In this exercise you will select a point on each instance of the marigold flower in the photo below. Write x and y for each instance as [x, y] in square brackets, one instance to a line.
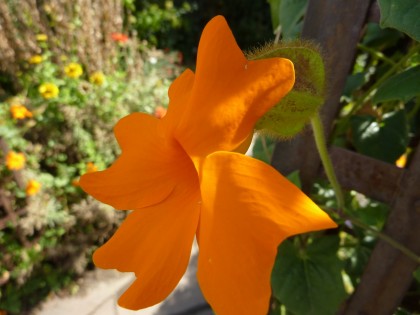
[160, 111]
[91, 167]
[20, 112]
[97, 78]
[33, 187]
[75, 182]
[119, 37]
[181, 177]
[48, 90]
[73, 70]
[15, 160]
[41, 37]
[35, 59]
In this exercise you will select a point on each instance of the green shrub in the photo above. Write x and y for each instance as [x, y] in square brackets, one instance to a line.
[61, 121]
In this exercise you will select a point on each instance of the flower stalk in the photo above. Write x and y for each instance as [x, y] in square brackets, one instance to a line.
[321, 146]
[320, 142]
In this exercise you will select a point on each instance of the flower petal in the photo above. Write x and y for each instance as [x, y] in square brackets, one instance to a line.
[179, 94]
[155, 243]
[247, 210]
[148, 169]
[229, 94]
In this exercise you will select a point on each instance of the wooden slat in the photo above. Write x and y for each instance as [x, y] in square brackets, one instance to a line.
[389, 272]
[376, 179]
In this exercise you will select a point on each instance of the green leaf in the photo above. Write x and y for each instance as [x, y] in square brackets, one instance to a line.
[416, 274]
[379, 38]
[288, 14]
[263, 148]
[402, 86]
[294, 177]
[308, 281]
[402, 15]
[386, 140]
[275, 9]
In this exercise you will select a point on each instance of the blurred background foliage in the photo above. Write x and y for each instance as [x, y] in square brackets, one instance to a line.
[178, 24]
[70, 69]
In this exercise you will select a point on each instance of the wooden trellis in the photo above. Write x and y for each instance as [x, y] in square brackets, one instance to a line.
[337, 26]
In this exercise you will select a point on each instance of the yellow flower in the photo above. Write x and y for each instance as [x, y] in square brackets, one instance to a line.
[20, 112]
[182, 178]
[35, 59]
[73, 70]
[41, 37]
[90, 168]
[97, 78]
[402, 161]
[15, 161]
[48, 90]
[33, 187]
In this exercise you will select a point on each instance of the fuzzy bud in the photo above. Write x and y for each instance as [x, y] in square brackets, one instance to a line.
[294, 111]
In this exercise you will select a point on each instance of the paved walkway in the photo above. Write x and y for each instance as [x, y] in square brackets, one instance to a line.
[100, 290]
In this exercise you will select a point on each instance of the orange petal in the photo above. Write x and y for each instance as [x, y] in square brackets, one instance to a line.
[247, 210]
[148, 169]
[229, 94]
[155, 243]
[179, 94]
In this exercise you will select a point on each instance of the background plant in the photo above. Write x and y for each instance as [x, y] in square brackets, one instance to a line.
[74, 78]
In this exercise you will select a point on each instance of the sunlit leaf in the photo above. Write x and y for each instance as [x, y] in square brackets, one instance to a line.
[386, 140]
[308, 280]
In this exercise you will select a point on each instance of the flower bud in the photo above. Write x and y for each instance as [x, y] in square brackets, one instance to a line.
[288, 117]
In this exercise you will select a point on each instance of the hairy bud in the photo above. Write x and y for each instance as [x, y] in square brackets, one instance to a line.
[293, 112]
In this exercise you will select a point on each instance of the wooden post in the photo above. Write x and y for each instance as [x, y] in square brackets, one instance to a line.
[337, 26]
[389, 272]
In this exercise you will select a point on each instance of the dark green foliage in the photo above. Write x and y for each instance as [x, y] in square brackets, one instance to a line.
[385, 139]
[306, 274]
[178, 24]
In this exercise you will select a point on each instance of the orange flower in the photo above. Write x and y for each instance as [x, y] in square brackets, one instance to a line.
[20, 112]
[160, 111]
[119, 37]
[182, 179]
[15, 161]
[33, 187]
[90, 167]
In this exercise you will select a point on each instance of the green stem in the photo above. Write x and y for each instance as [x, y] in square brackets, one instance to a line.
[265, 147]
[377, 54]
[329, 170]
[386, 238]
[414, 111]
[325, 158]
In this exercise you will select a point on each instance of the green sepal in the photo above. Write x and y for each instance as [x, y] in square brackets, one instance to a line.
[294, 111]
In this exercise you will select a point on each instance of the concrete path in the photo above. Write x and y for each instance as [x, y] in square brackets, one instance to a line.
[100, 290]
